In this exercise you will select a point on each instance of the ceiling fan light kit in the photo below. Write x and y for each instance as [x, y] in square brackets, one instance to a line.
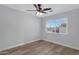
[39, 14]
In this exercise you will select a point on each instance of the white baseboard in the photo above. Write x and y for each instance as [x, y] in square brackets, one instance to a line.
[9, 47]
[37, 40]
[20, 44]
[62, 44]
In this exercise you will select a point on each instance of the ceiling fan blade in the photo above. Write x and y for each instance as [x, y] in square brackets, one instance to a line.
[35, 6]
[46, 9]
[39, 7]
[43, 12]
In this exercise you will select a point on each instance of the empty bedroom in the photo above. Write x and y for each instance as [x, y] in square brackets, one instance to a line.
[39, 29]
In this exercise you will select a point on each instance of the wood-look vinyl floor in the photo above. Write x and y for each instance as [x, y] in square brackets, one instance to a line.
[40, 47]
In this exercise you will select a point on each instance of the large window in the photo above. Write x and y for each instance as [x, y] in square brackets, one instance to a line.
[57, 26]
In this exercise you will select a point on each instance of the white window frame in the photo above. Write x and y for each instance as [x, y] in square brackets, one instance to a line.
[55, 32]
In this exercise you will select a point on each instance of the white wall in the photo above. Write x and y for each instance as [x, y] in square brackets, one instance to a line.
[17, 28]
[72, 38]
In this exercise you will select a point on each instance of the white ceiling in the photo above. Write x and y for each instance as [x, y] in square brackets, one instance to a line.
[57, 8]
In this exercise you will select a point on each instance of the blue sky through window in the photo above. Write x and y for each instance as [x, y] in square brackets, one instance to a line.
[56, 22]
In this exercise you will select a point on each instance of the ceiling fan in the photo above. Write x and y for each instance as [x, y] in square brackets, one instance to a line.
[39, 10]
